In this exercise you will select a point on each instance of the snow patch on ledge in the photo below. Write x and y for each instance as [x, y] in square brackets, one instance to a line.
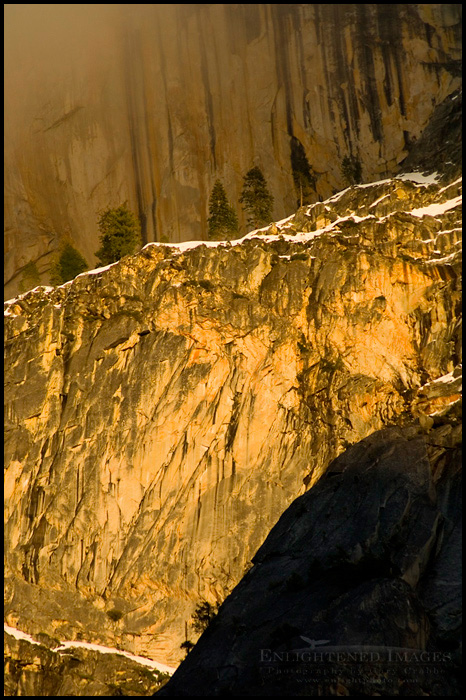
[18, 634]
[142, 660]
[40, 288]
[449, 378]
[95, 271]
[419, 178]
[416, 177]
[437, 209]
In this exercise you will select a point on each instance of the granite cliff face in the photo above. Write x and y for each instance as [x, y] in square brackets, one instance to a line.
[153, 103]
[162, 414]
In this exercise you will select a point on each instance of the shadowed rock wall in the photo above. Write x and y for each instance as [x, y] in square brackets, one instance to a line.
[357, 589]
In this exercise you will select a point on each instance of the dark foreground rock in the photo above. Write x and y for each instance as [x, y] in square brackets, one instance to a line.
[356, 591]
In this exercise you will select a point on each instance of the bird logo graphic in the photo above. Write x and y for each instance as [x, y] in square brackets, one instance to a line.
[314, 643]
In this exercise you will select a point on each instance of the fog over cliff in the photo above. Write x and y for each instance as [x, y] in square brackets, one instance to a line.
[153, 103]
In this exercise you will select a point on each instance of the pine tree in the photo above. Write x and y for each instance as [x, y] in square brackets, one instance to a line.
[120, 234]
[203, 615]
[30, 277]
[68, 264]
[352, 170]
[222, 221]
[256, 199]
[304, 178]
[187, 646]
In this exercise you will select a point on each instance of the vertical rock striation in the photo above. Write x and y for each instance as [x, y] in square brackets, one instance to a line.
[163, 412]
[153, 103]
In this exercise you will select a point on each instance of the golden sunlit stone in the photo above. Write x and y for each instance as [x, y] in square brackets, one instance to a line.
[163, 413]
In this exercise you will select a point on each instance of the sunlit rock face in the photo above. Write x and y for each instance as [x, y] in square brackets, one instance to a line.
[161, 414]
[153, 103]
[44, 668]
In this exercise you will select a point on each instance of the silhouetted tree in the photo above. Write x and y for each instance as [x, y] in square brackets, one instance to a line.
[68, 264]
[222, 221]
[187, 645]
[203, 616]
[352, 170]
[303, 177]
[256, 199]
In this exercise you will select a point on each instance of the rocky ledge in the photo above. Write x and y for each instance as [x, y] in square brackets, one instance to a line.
[46, 668]
[163, 413]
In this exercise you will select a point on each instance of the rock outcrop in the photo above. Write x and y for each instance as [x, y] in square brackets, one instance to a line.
[153, 103]
[357, 589]
[162, 414]
[38, 669]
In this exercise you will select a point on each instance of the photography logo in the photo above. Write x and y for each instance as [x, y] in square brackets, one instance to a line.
[320, 660]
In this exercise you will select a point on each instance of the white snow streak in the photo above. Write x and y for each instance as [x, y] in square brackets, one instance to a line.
[446, 379]
[436, 209]
[96, 271]
[419, 178]
[416, 177]
[451, 184]
[142, 660]
[373, 184]
[448, 259]
[380, 199]
[42, 288]
[18, 634]
[156, 665]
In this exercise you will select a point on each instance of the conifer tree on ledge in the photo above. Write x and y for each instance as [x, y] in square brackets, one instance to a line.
[222, 221]
[256, 199]
[120, 234]
[68, 264]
